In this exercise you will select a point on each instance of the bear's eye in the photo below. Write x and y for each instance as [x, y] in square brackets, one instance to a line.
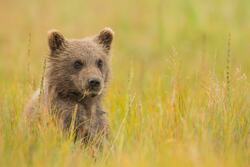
[78, 64]
[99, 63]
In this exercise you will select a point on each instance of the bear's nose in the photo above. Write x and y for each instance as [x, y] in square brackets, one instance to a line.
[94, 83]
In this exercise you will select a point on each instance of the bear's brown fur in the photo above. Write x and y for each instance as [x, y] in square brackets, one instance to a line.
[77, 72]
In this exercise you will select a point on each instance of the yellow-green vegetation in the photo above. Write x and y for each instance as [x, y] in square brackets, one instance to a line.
[179, 95]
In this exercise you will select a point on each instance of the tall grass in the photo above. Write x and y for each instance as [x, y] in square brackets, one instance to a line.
[179, 94]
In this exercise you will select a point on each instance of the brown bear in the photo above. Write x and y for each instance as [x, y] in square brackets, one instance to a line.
[76, 75]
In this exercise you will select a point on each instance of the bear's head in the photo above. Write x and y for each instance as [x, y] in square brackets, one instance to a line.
[79, 67]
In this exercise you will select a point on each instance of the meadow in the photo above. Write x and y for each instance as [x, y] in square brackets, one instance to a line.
[180, 88]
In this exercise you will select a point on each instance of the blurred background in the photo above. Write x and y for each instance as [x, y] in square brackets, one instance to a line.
[146, 31]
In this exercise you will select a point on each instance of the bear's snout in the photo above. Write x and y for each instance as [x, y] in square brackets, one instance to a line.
[94, 84]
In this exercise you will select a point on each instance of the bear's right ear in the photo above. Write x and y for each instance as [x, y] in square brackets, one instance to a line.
[56, 40]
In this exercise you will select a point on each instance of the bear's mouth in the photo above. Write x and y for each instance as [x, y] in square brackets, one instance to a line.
[83, 93]
[79, 96]
[92, 93]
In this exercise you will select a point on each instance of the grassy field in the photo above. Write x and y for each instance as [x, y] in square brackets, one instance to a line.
[180, 88]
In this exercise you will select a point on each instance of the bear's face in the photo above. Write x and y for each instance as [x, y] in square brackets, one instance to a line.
[79, 67]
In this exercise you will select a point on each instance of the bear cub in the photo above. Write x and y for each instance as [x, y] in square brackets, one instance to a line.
[76, 76]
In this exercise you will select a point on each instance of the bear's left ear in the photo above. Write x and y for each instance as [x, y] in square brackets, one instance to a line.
[105, 38]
